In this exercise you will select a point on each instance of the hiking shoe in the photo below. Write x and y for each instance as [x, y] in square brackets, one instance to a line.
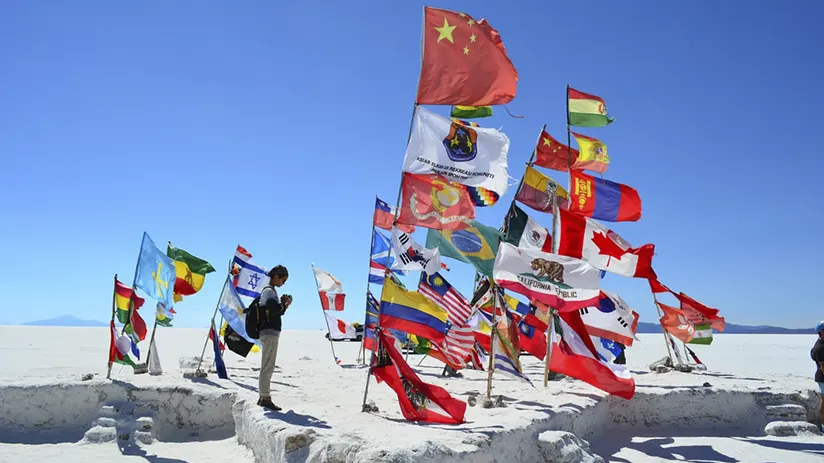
[267, 403]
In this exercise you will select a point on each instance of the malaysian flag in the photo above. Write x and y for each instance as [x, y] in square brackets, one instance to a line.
[459, 338]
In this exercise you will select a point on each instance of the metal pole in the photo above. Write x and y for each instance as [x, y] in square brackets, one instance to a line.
[114, 309]
[492, 335]
[212, 323]
[397, 210]
[328, 330]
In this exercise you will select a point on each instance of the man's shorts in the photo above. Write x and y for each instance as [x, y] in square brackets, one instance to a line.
[820, 388]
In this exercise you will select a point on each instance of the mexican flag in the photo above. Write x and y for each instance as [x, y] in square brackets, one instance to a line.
[523, 232]
[587, 110]
[190, 271]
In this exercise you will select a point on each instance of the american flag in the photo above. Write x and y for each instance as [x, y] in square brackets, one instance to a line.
[459, 337]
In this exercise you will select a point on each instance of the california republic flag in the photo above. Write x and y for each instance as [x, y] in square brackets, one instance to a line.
[472, 156]
[330, 290]
[586, 239]
[560, 282]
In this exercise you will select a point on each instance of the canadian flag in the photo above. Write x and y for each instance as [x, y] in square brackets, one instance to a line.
[588, 240]
[573, 354]
[330, 290]
[339, 329]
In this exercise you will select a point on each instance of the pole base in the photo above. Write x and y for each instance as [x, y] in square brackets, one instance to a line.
[141, 368]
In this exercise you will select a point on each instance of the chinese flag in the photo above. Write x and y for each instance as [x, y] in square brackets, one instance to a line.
[464, 62]
[431, 201]
[552, 154]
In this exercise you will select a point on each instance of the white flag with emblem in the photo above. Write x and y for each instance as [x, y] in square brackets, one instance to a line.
[472, 156]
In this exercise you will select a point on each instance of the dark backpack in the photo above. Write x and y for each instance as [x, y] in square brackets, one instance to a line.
[253, 319]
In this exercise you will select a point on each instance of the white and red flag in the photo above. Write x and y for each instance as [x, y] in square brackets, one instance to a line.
[330, 290]
[586, 239]
[573, 354]
[339, 329]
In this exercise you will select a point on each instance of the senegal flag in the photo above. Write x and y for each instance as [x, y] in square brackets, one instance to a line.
[191, 272]
[587, 110]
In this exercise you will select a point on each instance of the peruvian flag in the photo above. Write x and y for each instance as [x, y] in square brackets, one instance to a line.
[331, 301]
[574, 354]
[329, 289]
[339, 329]
[588, 240]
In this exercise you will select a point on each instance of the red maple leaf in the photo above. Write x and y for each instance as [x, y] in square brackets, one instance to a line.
[607, 246]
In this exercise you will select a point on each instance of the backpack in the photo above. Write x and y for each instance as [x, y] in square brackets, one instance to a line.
[253, 319]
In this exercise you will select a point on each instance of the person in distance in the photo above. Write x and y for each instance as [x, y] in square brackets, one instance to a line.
[817, 354]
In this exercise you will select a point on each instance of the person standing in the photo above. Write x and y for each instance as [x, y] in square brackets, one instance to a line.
[271, 309]
[817, 354]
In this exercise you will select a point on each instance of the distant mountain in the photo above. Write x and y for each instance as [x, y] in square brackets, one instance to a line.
[731, 328]
[66, 320]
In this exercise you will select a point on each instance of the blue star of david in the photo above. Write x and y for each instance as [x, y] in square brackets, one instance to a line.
[253, 280]
[610, 345]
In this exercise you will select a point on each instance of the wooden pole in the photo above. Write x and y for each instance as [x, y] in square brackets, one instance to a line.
[114, 310]
[397, 211]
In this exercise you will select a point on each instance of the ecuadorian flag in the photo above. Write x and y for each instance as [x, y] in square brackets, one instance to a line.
[412, 312]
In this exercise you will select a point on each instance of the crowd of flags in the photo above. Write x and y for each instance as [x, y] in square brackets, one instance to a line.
[451, 167]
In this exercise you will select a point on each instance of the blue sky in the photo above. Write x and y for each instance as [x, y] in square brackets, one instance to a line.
[274, 124]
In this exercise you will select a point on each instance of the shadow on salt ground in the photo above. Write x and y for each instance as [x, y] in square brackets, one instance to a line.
[354, 367]
[534, 406]
[594, 397]
[290, 417]
[438, 375]
[729, 376]
[128, 448]
[805, 447]
[693, 453]
[206, 381]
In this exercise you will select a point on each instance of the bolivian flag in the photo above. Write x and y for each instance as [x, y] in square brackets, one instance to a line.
[191, 272]
[587, 110]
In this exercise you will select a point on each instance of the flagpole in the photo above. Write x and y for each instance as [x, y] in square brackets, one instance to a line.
[328, 330]
[663, 330]
[397, 211]
[114, 309]
[212, 323]
[493, 333]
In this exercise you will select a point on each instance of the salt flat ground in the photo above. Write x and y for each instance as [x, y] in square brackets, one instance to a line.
[318, 394]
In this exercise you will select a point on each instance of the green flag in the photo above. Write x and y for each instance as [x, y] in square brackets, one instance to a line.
[471, 112]
[476, 245]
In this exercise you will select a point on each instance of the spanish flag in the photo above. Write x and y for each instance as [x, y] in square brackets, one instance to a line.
[191, 272]
[412, 312]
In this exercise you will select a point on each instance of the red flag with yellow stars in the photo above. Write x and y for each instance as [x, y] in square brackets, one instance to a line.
[552, 154]
[464, 62]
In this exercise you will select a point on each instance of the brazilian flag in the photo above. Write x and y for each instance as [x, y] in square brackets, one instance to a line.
[476, 245]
